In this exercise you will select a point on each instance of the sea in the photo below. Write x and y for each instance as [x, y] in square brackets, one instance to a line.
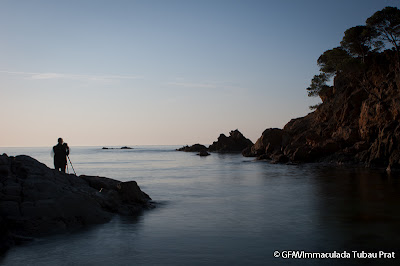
[225, 209]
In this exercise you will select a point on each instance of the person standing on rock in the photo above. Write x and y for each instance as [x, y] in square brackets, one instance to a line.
[61, 151]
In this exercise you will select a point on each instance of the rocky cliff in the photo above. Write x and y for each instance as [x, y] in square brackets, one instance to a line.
[36, 200]
[357, 122]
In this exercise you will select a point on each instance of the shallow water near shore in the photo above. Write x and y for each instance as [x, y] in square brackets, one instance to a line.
[225, 209]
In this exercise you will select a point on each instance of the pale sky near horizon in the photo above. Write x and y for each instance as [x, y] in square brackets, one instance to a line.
[166, 72]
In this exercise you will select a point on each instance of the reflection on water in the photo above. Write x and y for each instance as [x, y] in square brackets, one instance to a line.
[361, 205]
[226, 209]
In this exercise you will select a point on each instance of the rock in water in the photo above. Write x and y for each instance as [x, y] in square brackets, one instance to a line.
[193, 148]
[36, 200]
[235, 143]
[203, 153]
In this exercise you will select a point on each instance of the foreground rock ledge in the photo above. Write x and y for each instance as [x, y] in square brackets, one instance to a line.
[36, 200]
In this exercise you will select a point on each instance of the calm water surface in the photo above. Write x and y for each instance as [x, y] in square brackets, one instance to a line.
[225, 210]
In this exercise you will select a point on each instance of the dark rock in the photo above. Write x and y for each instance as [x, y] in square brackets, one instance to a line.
[122, 148]
[264, 157]
[193, 148]
[203, 153]
[36, 200]
[269, 143]
[235, 143]
[6, 240]
[130, 193]
[247, 152]
[280, 158]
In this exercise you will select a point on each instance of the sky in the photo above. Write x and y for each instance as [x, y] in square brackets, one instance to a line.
[167, 72]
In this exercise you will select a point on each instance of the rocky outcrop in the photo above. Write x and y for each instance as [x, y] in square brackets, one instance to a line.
[357, 123]
[235, 143]
[126, 148]
[193, 148]
[36, 200]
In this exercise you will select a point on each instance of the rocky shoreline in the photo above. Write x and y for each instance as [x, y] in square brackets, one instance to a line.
[37, 201]
[351, 126]
[355, 124]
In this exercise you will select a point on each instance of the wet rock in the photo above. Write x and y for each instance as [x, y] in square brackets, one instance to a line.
[279, 158]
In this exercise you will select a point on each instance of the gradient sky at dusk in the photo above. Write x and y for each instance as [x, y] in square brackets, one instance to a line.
[161, 72]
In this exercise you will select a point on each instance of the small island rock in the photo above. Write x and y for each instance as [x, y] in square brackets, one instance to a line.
[122, 148]
[193, 148]
[203, 153]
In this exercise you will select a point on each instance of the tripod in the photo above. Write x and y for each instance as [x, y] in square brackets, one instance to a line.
[71, 164]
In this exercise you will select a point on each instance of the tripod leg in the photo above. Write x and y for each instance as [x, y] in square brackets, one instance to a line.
[71, 164]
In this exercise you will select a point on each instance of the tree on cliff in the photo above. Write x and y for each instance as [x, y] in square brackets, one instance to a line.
[334, 61]
[357, 43]
[386, 23]
[330, 63]
[318, 85]
[361, 40]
